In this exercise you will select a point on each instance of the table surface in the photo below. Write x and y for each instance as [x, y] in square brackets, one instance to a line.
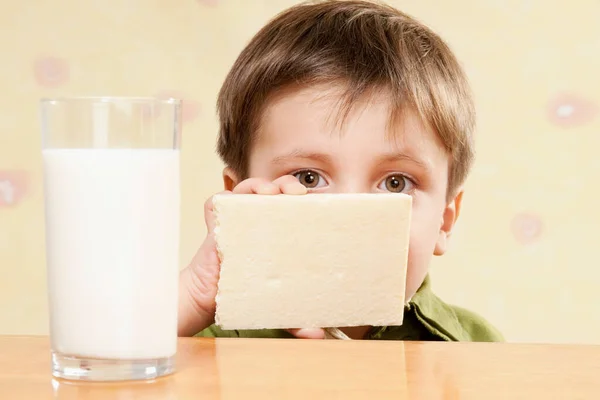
[328, 369]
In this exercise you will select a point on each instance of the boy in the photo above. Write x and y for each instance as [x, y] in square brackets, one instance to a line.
[347, 96]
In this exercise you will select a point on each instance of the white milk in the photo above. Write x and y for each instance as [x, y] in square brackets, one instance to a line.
[112, 239]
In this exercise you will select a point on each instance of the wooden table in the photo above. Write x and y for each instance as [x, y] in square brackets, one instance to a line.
[325, 369]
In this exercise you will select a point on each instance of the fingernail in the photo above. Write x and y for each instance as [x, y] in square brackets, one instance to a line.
[295, 189]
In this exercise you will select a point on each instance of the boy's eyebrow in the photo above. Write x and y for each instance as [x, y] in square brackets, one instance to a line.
[404, 157]
[295, 154]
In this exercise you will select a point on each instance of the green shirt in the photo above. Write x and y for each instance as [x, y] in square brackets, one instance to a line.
[426, 318]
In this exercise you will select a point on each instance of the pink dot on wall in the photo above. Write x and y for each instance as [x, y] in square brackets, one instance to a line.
[526, 227]
[570, 110]
[190, 109]
[13, 187]
[51, 71]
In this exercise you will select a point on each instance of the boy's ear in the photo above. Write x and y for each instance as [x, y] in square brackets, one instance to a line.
[230, 179]
[449, 217]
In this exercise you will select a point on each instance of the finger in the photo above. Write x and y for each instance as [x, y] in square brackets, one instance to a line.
[209, 217]
[288, 184]
[306, 333]
[256, 186]
[202, 280]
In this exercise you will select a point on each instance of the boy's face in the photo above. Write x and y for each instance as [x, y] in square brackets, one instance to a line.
[299, 136]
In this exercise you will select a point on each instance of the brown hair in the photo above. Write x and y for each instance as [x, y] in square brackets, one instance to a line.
[363, 44]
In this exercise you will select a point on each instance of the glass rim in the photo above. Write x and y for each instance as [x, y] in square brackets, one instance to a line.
[111, 99]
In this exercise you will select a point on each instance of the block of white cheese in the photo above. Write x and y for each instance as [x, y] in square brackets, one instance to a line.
[311, 261]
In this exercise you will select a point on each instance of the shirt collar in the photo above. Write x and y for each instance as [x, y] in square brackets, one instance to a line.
[435, 315]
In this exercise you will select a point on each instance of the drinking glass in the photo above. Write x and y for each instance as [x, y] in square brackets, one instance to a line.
[111, 183]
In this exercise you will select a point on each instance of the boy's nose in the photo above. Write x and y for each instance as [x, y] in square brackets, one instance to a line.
[352, 187]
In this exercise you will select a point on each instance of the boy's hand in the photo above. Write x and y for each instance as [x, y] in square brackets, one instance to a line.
[198, 282]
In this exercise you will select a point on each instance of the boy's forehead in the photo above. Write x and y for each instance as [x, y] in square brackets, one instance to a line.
[318, 113]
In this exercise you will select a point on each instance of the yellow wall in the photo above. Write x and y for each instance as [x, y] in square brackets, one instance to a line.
[524, 251]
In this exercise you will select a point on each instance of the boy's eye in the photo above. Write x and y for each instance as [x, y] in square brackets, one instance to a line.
[396, 184]
[310, 179]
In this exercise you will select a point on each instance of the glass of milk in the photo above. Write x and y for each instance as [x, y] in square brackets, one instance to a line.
[111, 174]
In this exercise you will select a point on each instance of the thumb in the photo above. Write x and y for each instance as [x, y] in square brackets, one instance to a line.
[209, 216]
[306, 333]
